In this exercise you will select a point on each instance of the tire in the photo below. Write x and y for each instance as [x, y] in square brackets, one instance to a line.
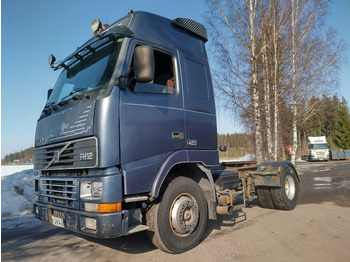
[286, 197]
[170, 228]
[265, 198]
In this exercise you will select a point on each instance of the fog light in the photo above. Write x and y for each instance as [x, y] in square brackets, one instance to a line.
[90, 223]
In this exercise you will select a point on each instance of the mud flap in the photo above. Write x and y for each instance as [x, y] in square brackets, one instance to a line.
[277, 185]
[269, 174]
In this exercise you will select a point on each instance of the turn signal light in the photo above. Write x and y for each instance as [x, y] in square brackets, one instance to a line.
[110, 207]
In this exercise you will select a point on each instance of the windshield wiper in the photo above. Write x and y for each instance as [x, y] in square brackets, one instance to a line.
[48, 109]
[78, 90]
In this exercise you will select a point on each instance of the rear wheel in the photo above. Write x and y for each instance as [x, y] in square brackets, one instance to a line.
[265, 197]
[286, 197]
[177, 222]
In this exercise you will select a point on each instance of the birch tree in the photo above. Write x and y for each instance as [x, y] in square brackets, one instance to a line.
[314, 57]
[271, 58]
[235, 27]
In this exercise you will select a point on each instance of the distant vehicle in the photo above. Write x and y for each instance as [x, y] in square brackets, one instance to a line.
[305, 157]
[318, 149]
[127, 140]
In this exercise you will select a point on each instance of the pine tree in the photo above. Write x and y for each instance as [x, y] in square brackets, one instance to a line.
[341, 136]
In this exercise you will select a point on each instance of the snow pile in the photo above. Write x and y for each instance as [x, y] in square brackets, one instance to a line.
[17, 193]
[9, 170]
[248, 157]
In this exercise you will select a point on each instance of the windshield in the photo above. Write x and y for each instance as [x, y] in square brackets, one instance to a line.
[318, 146]
[89, 76]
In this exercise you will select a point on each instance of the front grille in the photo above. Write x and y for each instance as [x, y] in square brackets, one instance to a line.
[320, 153]
[75, 154]
[61, 192]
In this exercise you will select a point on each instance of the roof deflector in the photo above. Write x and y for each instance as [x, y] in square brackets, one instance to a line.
[192, 26]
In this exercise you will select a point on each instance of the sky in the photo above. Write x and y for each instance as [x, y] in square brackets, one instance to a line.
[33, 29]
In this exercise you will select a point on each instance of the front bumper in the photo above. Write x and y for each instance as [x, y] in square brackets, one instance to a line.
[318, 158]
[108, 225]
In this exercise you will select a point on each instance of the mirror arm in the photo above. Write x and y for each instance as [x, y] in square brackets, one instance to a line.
[120, 81]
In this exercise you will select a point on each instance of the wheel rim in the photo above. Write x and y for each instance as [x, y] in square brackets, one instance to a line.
[184, 215]
[289, 186]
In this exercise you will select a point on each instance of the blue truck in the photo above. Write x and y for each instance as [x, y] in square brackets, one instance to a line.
[127, 140]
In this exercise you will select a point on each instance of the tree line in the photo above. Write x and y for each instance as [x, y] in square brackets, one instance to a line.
[271, 58]
[331, 119]
[238, 145]
[22, 157]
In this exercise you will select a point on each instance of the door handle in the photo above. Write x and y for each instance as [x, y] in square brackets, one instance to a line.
[177, 135]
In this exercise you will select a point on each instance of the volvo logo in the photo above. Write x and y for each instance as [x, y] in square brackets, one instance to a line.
[56, 155]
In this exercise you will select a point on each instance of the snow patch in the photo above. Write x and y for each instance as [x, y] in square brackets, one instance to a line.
[17, 193]
[248, 157]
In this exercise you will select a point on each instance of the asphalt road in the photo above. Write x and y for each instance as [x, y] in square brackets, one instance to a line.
[317, 230]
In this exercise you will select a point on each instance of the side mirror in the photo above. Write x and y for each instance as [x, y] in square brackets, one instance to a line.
[49, 92]
[144, 64]
[51, 60]
[223, 148]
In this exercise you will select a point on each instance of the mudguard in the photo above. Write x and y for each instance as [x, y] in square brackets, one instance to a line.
[270, 173]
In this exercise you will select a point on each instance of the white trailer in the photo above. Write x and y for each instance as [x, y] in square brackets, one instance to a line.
[318, 149]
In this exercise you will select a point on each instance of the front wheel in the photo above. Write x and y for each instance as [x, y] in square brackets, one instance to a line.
[177, 222]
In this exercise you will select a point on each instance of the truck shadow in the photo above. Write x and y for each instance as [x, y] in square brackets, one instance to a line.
[139, 243]
[229, 221]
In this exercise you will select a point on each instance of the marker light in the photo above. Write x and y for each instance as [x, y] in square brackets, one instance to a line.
[110, 207]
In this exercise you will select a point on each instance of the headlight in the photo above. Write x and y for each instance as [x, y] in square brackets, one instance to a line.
[96, 189]
[91, 189]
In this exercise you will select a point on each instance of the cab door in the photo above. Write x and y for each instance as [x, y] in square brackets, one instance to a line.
[151, 122]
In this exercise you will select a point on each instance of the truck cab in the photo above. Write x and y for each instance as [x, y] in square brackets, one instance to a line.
[127, 140]
[109, 136]
[318, 149]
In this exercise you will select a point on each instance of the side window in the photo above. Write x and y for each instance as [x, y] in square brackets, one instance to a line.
[164, 76]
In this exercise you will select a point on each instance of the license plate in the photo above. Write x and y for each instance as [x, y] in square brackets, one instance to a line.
[57, 221]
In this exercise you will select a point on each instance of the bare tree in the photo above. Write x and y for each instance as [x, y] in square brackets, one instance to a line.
[314, 57]
[271, 57]
[235, 27]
